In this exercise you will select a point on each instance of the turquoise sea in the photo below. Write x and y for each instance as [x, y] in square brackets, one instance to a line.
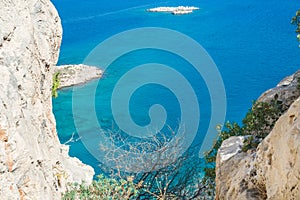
[252, 43]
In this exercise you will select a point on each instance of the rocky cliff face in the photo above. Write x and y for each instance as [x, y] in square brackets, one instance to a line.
[287, 91]
[33, 164]
[272, 171]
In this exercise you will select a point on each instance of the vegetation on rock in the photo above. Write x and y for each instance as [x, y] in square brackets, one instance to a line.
[104, 188]
[296, 21]
[180, 178]
[169, 178]
[55, 84]
[257, 124]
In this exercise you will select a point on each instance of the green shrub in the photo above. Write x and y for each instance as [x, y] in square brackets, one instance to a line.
[258, 123]
[231, 129]
[261, 118]
[250, 143]
[55, 84]
[298, 83]
[296, 21]
[104, 189]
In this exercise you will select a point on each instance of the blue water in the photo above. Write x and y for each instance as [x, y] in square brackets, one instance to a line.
[251, 42]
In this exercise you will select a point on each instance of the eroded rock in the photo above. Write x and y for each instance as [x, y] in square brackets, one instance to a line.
[30, 37]
[286, 91]
[272, 171]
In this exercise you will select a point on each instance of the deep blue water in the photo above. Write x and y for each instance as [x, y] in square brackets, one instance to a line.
[252, 43]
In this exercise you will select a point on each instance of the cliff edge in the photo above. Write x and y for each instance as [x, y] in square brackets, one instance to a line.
[33, 163]
[272, 170]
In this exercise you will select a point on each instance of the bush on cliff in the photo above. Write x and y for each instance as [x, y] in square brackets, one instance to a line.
[258, 122]
[104, 188]
[55, 84]
[296, 21]
[169, 178]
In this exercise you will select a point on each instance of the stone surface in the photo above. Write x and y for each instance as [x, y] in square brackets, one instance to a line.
[278, 157]
[286, 91]
[272, 171]
[231, 147]
[70, 75]
[234, 176]
[33, 164]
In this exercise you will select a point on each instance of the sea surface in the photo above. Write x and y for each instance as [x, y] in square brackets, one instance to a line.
[252, 43]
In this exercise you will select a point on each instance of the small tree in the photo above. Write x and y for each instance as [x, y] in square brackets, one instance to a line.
[169, 178]
[296, 21]
[104, 188]
[258, 123]
[261, 118]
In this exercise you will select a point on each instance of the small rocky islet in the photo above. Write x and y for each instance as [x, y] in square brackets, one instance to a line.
[179, 10]
[71, 75]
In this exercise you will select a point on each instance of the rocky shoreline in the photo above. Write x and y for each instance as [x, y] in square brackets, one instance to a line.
[71, 75]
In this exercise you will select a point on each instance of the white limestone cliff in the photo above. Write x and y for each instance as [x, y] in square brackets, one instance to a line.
[33, 163]
[272, 171]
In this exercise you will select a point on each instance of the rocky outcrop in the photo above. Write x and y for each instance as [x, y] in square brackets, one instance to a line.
[70, 75]
[272, 171]
[234, 172]
[33, 164]
[287, 91]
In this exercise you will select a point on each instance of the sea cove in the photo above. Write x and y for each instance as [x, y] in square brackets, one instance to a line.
[230, 32]
[104, 100]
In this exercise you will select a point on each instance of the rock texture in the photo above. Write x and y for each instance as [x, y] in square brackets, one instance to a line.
[33, 164]
[234, 173]
[70, 75]
[287, 91]
[272, 171]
